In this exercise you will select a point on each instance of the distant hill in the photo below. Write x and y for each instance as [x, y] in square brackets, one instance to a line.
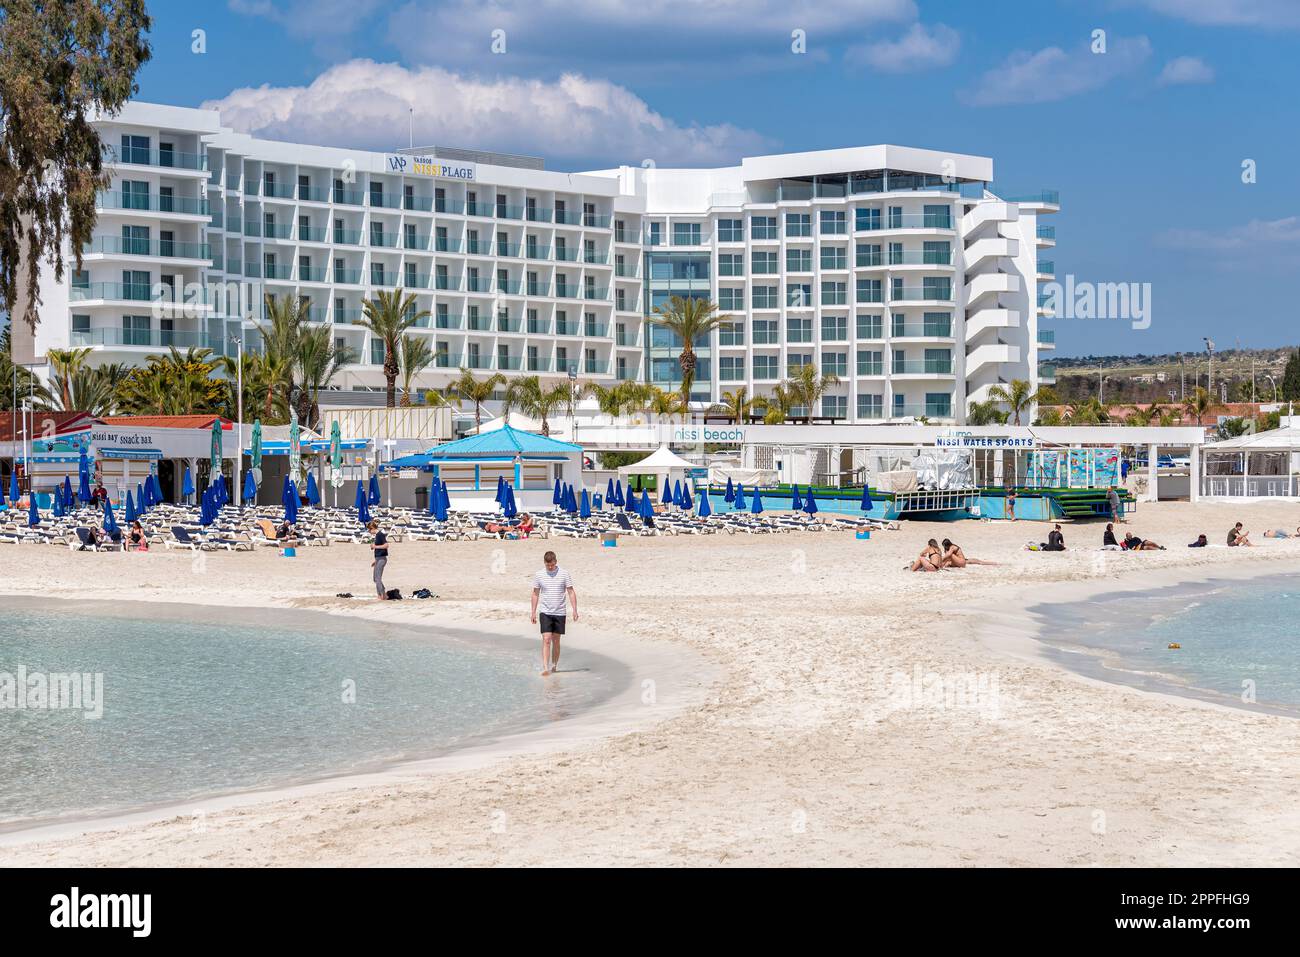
[1170, 376]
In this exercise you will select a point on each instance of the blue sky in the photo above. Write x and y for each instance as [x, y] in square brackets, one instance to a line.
[1145, 142]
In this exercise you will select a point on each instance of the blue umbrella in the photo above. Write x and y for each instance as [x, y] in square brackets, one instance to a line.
[83, 480]
[58, 502]
[705, 508]
[811, 505]
[313, 493]
[156, 494]
[207, 507]
[557, 496]
[438, 501]
[13, 486]
[731, 492]
[500, 497]
[187, 484]
[250, 488]
[647, 509]
[129, 512]
[866, 498]
[141, 500]
[69, 499]
[110, 523]
[677, 493]
[446, 496]
[686, 496]
[609, 493]
[363, 513]
[584, 509]
[570, 501]
[757, 506]
[374, 491]
[617, 498]
[144, 494]
[665, 494]
[509, 509]
[630, 503]
[795, 502]
[291, 504]
[739, 497]
[2, 495]
[360, 501]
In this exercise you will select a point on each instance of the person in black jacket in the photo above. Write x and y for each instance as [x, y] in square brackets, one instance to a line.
[1055, 540]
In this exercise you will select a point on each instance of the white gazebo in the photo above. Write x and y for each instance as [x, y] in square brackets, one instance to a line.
[1262, 465]
[663, 463]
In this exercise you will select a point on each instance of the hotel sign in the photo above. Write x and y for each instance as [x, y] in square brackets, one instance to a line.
[431, 166]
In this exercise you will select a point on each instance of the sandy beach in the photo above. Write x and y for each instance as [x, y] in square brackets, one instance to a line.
[780, 737]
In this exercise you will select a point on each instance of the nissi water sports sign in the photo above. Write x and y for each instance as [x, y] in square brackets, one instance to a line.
[964, 440]
[723, 434]
[431, 166]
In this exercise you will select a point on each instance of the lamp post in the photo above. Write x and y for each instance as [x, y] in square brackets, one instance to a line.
[1276, 397]
[239, 417]
[573, 401]
[1209, 348]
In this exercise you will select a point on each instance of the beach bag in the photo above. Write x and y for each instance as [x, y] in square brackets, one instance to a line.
[423, 593]
[394, 594]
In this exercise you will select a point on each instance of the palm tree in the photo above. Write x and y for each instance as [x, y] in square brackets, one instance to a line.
[1088, 412]
[666, 404]
[1199, 404]
[64, 366]
[316, 362]
[287, 320]
[776, 407]
[416, 355]
[807, 387]
[736, 406]
[1018, 395]
[689, 319]
[618, 399]
[387, 317]
[536, 400]
[986, 413]
[469, 389]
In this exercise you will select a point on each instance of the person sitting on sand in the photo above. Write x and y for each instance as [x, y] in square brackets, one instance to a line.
[1108, 538]
[1201, 542]
[1135, 543]
[136, 539]
[930, 559]
[1239, 536]
[954, 557]
[1055, 541]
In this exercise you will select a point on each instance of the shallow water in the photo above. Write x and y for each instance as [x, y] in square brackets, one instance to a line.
[1239, 640]
[202, 701]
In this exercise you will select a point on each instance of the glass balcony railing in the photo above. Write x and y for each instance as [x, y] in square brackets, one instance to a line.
[593, 330]
[449, 283]
[473, 361]
[596, 292]
[117, 291]
[921, 367]
[595, 367]
[478, 322]
[253, 270]
[539, 214]
[447, 320]
[252, 227]
[378, 238]
[909, 257]
[922, 330]
[478, 284]
[478, 209]
[1046, 337]
[1046, 268]
[347, 237]
[444, 245]
[235, 267]
[537, 252]
[1046, 371]
[234, 225]
[920, 293]
[866, 368]
[1047, 197]
[626, 271]
[566, 328]
[479, 247]
[422, 204]
[507, 211]
[279, 190]
[347, 277]
[510, 287]
[311, 274]
[509, 362]
[1046, 301]
[507, 249]
[593, 221]
[929, 411]
[312, 194]
[540, 364]
[384, 200]
[454, 206]
[563, 291]
[152, 202]
[509, 324]
[1046, 232]
[348, 317]
[348, 197]
[539, 327]
[147, 157]
[444, 360]
[596, 257]
[277, 231]
[311, 234]
[217, 219]
[905, 221]
[416, 280]
[161, 248]
[146, 338]
[384, 280]
[218, 261]
[566, 254]
[568, 217]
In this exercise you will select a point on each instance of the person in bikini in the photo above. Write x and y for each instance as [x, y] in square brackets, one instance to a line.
[930, 559]
[954, 557]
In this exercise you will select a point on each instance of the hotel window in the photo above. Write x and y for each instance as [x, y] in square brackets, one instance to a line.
[501, 205]
[442, 356]
[834, 257]
[869, 254]
[895, 254]
[408, 196]
[589, 325]
[304, 187]
[589, 214]
[896, 288]
[799, 295]
[561, 359]
[338, 232]
[562, 327]
[503, 356]
[797, 360]
[866, 218]
[441, 279]
[166, 195]
[765, 367]
[871, 406]
[895, 217]
[833, 222]
[731, 334]
[622, 367]
[531, 352]
[376, 194]
[440, 199]
[797, 260]
[900, 405]
[765, 297]
[656, 234]
[410, 240]
[377, 237]
[80, 327]
[868, 290]
[686, 234]
[589, 287]
[620, 300]
[338, 190]
[763, 227]
[339, 315]
[798, 330]
[937, 324]
[376, 274]
[766, 332]
[441, 317]
[936, 288]
[619, 231]
[135, 331]
[835, 406]
[938, 216]
[135, 195]
[835, 329]
[938, 405]
[764, 263]
[798, 224]
[731, 299]
[731, 230]
[136, 285]
[870, 362]
[833, 294]
[135, 240]
[731, 264]
[835, 363]
[135, 149]
[411, 281]
[471, 203]
[938, 360]
[731, 368]
[937, 254]
[589, 361]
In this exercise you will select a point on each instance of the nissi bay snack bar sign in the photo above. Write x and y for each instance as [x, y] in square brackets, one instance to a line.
[721, 434]
[431, 166]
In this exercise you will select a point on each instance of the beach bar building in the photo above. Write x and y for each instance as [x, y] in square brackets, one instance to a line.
[528, 462]
[1262, 465]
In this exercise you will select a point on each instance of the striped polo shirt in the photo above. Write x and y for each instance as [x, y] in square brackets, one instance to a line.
[552, 588]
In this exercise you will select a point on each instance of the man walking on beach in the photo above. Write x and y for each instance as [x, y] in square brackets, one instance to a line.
[379, 547]
[551, 585]
[1112, 499]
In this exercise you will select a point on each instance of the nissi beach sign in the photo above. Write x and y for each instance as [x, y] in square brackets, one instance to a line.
[430, 166]
[724, 435]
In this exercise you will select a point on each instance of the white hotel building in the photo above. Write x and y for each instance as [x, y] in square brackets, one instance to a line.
[900, 270]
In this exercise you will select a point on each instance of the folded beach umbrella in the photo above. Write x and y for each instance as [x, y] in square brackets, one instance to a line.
[206, 509]
[157, 489]
[110, 523]
[647, 508]
[128, 512]
[446, 496]
[756, 507]
[665, 494]
[739, 498]
[144, 494]
[584, 507]
[510, 511]
[69, 498]
[250, 488]
[313, 492]
[731, 492]
[500, 497]
[187, 484]
[438, 501]
[795, 502]
[58, 502]
[291, 504]
[141, 500]
[866, 498]
[360, 501]
[374, 491]
[2, 495]
[687, 502]
[630, 502]
[609, 492]
[83, 479]
[363, 512]
[617, 497]
[557, 496]
[705, 509]
[571, 501]
[810, 506]
[677, 493]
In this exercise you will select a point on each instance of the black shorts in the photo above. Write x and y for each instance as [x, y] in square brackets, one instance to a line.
[551, 624]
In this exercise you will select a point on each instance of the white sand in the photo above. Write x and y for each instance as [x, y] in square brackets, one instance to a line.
[800, 751]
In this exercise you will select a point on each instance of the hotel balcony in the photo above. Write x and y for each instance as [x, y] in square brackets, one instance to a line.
[921, 367]
[1045, 236]
[929, 222]
[921, 330]
[1046, 305]
[197, 254]
[183, 163]
[168, 207]
[1046, 374]
[1046, 339]
[1046, 271]
[108, 338]
[919, 411]
[919, 296]
[1041, 200]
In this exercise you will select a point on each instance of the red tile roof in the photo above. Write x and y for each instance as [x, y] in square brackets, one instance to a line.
[164, 421]
[63, 422]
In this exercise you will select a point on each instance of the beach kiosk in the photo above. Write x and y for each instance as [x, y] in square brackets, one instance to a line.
[1262, 465]
[664, 464]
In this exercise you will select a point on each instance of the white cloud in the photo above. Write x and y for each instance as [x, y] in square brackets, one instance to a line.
[365, 104]
[326, 23]
[1230, 13]
[1055, 74]
[917, 49]
[1257, 232]
[1186, 69]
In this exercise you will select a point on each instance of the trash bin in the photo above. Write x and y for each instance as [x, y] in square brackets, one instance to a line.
[422, 498]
